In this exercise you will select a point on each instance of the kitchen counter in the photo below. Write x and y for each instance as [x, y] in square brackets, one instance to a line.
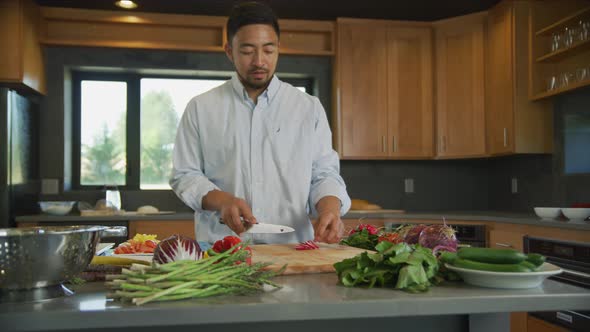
[312, 301]
[40, 218]
[492, 216]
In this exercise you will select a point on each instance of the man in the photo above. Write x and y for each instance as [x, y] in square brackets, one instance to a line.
[256, 149]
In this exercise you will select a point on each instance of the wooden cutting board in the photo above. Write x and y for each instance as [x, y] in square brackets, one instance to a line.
[302, 261]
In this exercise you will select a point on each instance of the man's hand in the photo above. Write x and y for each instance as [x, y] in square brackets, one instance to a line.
[234, 211]
[329, 227]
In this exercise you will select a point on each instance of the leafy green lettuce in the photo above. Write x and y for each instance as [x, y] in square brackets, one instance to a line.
[411, 268]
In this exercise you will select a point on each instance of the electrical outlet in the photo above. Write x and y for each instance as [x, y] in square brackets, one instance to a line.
[408, 185]
[514, 185]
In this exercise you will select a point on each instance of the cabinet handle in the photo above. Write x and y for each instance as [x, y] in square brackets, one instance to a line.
[338, 100]
[504, 245]
[382, 143]
[393, 144]
[505, 137]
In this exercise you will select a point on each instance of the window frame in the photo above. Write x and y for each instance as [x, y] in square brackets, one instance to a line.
[133, 125]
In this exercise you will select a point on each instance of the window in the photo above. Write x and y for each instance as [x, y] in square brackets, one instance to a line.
[162, 102]
[577, 138]
[103, 130]
[125, 126]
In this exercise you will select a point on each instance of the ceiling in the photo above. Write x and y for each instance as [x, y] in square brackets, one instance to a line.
[410, 10]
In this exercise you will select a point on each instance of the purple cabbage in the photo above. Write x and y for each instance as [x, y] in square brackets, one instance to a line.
[441, 236]
[175, 248]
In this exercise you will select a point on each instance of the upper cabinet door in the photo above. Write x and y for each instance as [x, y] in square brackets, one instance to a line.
[500, 80]
[410, 92]
[460, 86]
[362, 84]
[21, 63]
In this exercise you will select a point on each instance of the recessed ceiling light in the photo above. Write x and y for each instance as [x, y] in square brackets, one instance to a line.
[127, 4]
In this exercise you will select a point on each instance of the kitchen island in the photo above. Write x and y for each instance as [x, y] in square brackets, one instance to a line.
[310, 302]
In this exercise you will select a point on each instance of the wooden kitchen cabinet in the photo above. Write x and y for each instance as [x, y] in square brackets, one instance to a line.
[460, 116]
[21, 63]
[505, 239]
[384, 90]
[362, 89]
[546, 19]
[514, 124]
[410, 92]
[536, 325]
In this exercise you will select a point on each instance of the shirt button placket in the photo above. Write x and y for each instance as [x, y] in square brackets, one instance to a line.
[256, 162]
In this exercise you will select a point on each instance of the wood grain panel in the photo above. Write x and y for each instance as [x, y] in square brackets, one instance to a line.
[162, 229]
[410, 92]
[11, 36]
[533, 119]
[518, 322]
[132, 35]
[503, 240]
[500, 80]
[101, 28]
[363, 83]
[536, 325]
[21, 63]
[460, 86]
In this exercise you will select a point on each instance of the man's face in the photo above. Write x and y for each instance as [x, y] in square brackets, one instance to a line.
[254, 52]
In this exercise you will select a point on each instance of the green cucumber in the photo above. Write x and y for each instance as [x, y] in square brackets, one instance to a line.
[530, 265]
[448, 257]
[473, 265]
[536, 259]
[492, 255]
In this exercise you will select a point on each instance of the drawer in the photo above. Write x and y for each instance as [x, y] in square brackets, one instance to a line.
[504, 239]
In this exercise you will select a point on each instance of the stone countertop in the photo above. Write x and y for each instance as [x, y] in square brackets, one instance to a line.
[302, 298]
[41, 218]
[493, 216]
[483, 216]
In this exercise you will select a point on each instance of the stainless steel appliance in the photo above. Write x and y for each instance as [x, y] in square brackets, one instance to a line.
[115, 231]
[473, 235]
[574, 259]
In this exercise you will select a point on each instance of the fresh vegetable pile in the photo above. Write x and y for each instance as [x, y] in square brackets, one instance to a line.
[436, 237]
[495, 260]
[226, 244]
[183, 279]
[401, 266]
[141, 243]
[363, 236]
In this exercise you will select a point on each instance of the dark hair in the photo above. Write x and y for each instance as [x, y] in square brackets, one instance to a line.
[250, 12]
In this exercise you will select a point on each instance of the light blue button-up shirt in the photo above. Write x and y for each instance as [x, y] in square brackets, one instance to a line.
[276, 154]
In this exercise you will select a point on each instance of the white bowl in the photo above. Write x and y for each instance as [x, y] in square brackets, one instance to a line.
[57, 208]
[576, 214]
[547, 213]
[512, 280]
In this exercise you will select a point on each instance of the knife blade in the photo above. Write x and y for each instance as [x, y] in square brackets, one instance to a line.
[264, 228]
[261, 228]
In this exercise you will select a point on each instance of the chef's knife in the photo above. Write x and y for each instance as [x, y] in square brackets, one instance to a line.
[263, 228]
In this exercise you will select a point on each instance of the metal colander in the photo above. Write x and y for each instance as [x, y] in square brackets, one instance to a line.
[44, 256]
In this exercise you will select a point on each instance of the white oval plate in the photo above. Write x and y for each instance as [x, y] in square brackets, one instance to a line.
[506, 279]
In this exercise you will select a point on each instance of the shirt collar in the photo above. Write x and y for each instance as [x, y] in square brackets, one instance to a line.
[269, 93]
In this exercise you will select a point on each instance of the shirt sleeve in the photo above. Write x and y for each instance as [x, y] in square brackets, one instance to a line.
[325, 177]
[187, 180]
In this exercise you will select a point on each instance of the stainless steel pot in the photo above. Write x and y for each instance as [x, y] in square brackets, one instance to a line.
[44, 256]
